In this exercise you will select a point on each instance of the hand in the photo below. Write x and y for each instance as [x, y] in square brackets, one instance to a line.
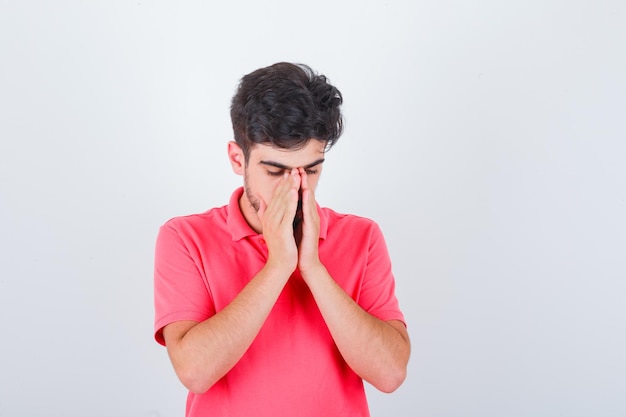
[277, 222]
[308, 255]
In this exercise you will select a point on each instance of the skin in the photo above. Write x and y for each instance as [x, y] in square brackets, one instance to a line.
[202, 353]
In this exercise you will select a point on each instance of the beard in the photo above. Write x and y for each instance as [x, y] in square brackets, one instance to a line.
[254, 201]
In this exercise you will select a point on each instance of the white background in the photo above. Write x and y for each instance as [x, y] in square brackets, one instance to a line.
[487, 138]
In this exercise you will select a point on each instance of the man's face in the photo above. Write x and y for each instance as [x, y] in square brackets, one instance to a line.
[266, 165]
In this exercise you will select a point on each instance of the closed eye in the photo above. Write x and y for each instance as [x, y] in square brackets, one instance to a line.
[280, 173]
[310, 169]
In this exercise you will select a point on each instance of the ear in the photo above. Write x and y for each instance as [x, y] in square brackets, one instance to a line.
[236, 158]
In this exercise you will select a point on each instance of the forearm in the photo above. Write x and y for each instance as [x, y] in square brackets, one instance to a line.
[376, 350]
[208, 350]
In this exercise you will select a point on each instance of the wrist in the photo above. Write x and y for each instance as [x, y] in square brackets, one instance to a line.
[278, 267]
[314, 270]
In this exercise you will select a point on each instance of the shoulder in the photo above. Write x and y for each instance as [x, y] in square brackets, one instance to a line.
[353, 219]
[213, 219]
[339, 223]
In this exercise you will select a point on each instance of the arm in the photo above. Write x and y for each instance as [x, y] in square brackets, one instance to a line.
[376, 350]
[202, 353]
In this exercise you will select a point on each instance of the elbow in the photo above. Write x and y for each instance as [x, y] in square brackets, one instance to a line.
[391, 381]
[194, 381]
[198, 387]
[394, 374]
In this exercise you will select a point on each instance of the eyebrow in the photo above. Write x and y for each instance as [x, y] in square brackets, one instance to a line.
[285, 167]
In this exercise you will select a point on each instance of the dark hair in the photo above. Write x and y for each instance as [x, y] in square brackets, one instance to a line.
[285, 105]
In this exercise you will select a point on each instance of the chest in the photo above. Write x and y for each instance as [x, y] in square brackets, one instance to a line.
[227, 268]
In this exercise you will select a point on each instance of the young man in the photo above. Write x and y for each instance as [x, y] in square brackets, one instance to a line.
[270, 305]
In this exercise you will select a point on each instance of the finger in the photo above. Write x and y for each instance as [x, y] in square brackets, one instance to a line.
[281, 192]
[291, 180]
[304, 179]
[292, 204]
[308, 197]
[309, 209]
[270, 213]
[284, 199]
[297, 178]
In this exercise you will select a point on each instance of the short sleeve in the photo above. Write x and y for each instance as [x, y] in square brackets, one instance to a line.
[377, 294]
[180, 290]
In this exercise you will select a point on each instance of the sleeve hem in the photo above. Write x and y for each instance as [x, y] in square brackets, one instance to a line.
[390, 315]
[160, 323]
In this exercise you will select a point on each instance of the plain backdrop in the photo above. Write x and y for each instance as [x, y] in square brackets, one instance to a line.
[487, 139]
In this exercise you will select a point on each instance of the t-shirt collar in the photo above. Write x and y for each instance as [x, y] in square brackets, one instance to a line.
[239, 227]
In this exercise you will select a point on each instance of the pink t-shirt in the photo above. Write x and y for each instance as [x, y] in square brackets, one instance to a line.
[293, 367]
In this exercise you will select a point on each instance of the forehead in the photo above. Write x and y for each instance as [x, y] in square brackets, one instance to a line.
[311, 152]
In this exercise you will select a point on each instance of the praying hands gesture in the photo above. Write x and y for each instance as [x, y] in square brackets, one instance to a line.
[358, 335]
[204, 352]
[291, 226]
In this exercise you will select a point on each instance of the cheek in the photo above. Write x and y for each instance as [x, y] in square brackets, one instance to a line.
[313, 180]
[260, 184]
[266, 188]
